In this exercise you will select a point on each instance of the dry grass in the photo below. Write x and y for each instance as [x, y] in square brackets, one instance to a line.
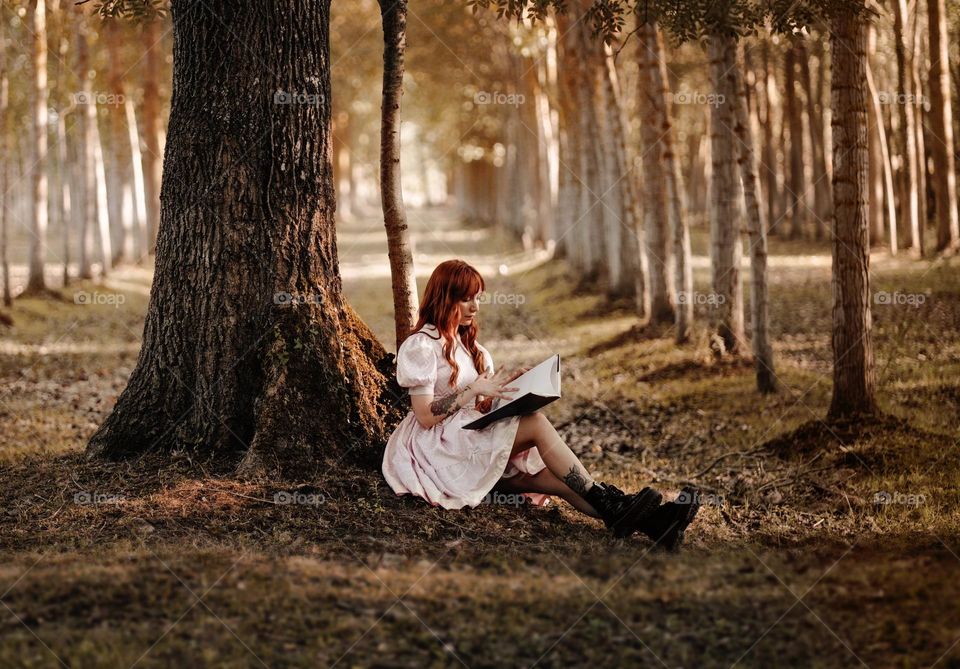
[795, 560]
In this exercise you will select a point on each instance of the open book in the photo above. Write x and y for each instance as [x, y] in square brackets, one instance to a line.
[535, 389]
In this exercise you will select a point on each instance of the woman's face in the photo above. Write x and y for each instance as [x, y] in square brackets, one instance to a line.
[468, 309]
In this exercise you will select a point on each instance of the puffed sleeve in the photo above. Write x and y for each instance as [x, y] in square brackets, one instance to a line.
[488, 359]
[417, 364]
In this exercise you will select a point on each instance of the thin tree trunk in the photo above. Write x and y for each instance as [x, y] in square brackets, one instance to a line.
[103, 213]
[4, 168]
[657, 220]
[821, 179]
[941, 127]
[724, 211]
[139, 187]
[916, 59]
[152, 159]
[399, 250]
[36, 281]
[87, 201]
[797, 189]
[772, 171]
[910, 207]
[738, 93]
[886, 169]
[853, 371]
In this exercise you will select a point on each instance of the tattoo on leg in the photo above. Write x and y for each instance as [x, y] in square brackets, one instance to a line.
[576, 480]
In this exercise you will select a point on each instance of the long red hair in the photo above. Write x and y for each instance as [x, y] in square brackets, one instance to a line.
[452, 282]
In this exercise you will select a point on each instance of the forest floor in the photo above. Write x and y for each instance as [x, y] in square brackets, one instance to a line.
[820, 544]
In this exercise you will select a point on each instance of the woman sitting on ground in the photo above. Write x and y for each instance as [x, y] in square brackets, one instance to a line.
[432, 456]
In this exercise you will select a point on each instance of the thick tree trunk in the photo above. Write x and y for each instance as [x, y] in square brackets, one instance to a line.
[651, 107]
[738, 97]
[249, 347]
[36, 281]
[853, 372]
[941, 127]
[725, 225]
[399, 251]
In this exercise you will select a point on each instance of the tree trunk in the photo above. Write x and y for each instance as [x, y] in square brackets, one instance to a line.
[673, 181]
[910, 207]
[64, 199]
[885, 167]
[772, 173]
[797, 188]
[738, 93]
[853, 372]
[87, 200]
[941, 127]
[4, 168]
[651, 106]
[36, 281]
[139, 187]
[724, 211]
[249, 347]
[104, 239]
[402, 276]
[152, 159]
[821, 182]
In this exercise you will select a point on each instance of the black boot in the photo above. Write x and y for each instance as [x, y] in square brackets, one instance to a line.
[620, 512]
[666, 525]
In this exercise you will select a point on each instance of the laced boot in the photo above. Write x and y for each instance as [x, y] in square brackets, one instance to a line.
[620, 512]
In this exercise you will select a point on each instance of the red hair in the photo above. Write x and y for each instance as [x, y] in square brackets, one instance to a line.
[452, 282]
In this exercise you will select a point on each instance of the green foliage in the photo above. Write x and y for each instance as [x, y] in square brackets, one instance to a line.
[135, 10]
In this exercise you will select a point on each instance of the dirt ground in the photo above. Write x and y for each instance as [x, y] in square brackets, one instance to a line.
[820, 545]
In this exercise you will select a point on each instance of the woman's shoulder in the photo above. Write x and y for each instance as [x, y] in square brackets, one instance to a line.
[426, 337]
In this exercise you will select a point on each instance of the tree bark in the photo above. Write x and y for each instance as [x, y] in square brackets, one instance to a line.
[853, 371]
[249, 348]
[724, 211]
[399, 251]
[941, 127]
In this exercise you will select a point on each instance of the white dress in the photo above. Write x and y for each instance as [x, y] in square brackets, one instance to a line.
[446, 464]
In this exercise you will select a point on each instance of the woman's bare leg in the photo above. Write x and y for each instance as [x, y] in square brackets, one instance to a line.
[545, 482]
[535, 430]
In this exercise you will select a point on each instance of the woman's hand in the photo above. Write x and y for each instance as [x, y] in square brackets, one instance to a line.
[493, 384]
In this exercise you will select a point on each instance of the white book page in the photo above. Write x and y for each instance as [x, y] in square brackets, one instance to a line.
[544, 380]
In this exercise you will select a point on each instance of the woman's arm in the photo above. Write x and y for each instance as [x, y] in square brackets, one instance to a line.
[430, 412]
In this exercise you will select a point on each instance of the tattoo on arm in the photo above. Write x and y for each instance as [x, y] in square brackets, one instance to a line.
[445, 405]
[576, 480]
